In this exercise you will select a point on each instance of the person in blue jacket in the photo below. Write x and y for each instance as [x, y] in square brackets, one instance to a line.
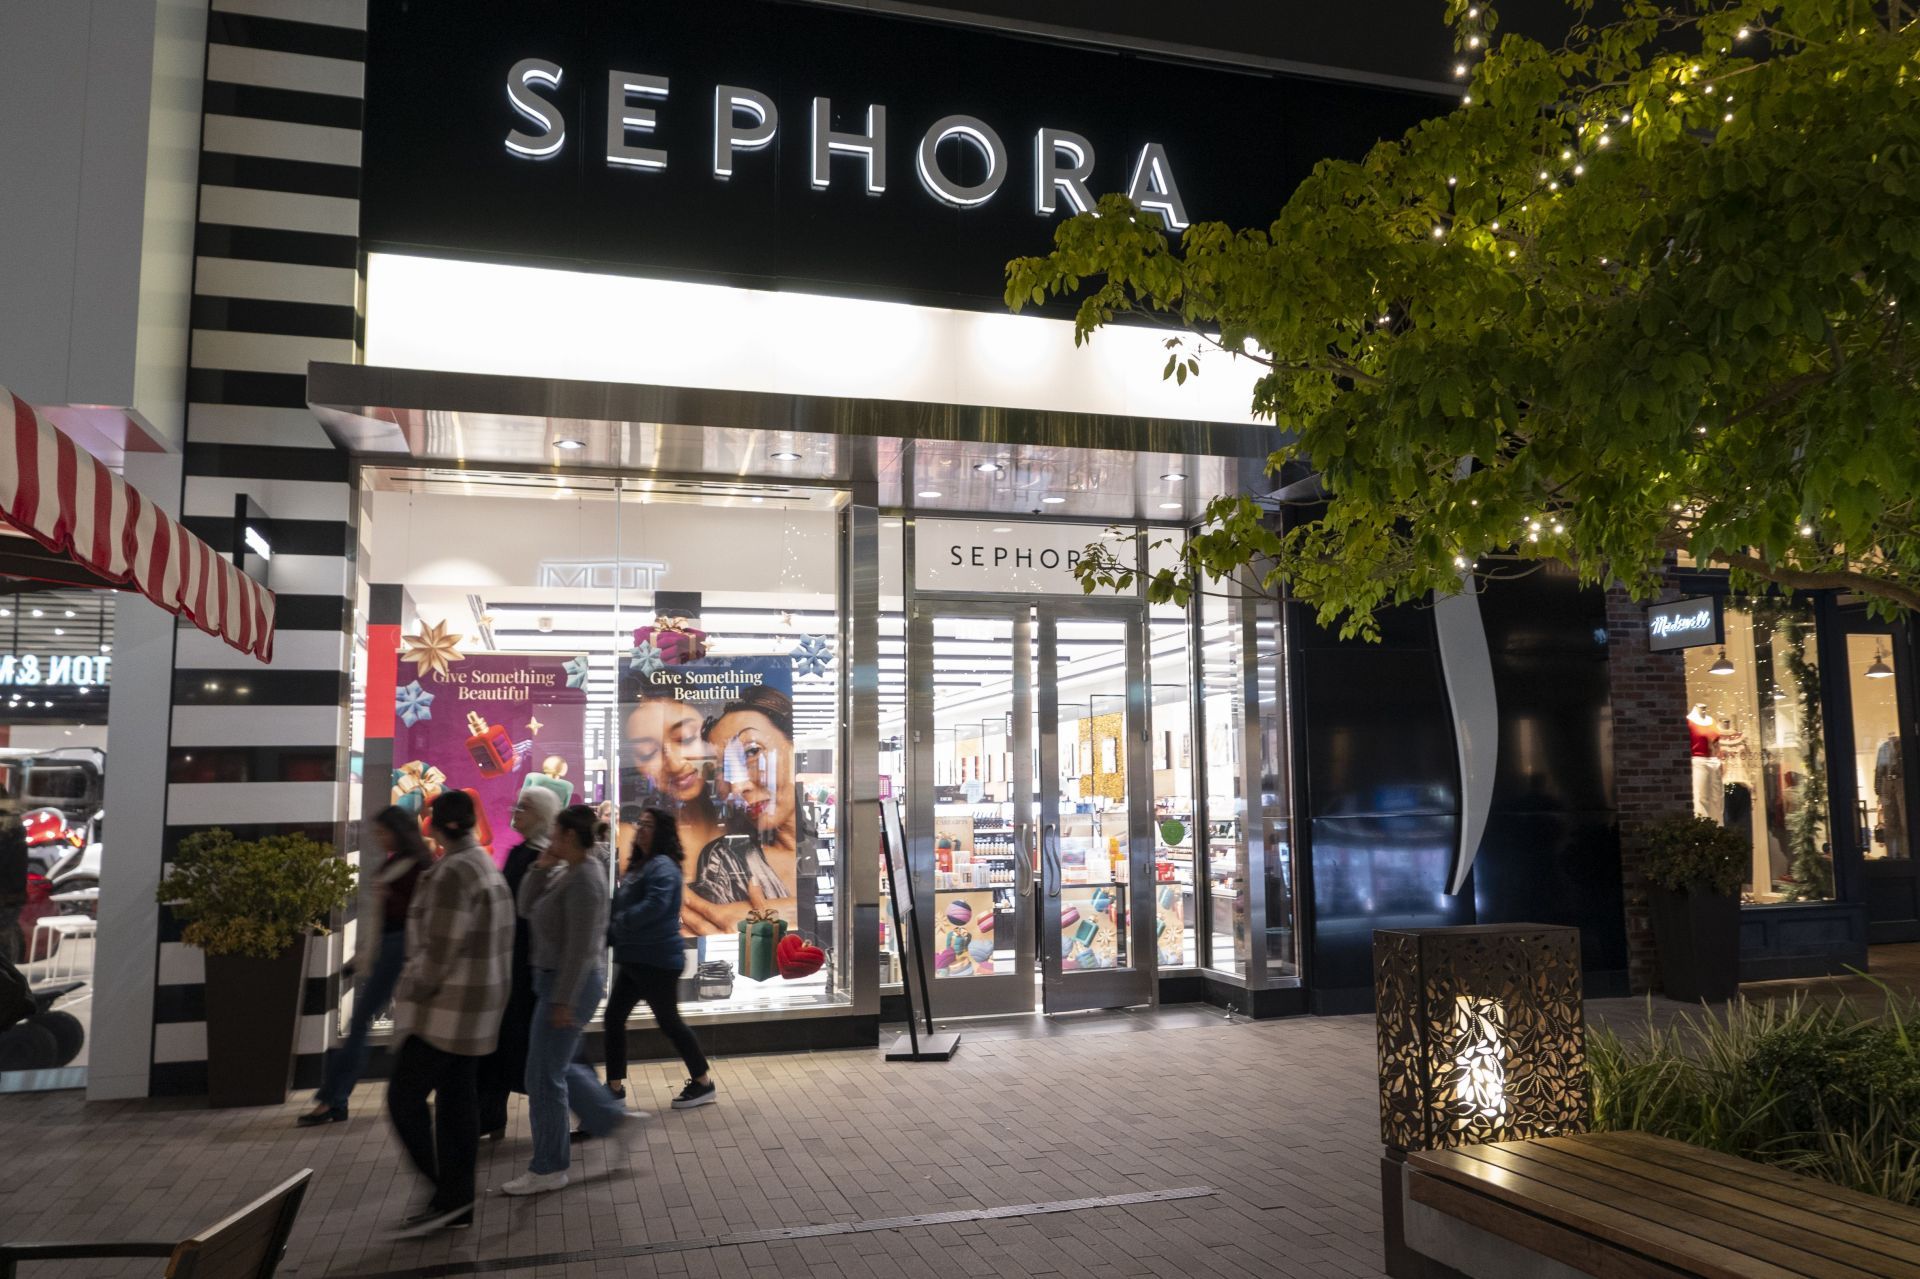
[644, 930]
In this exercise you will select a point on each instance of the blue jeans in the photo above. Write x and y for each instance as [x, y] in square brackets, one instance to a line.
[556, 1082]
[348, 1061]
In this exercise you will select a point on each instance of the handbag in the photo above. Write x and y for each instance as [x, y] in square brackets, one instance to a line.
[715, 980]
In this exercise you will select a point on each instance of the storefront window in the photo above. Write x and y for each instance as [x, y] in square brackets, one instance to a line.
[631, 646]
[56, 668]
[1276, 793]
[1223, 709]
[1170, 751]
[1757, 748]
[1880, 803]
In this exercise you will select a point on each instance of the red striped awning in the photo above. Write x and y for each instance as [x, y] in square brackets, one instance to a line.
[71, 504]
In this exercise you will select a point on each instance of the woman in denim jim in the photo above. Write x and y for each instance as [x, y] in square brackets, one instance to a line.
[564, 901]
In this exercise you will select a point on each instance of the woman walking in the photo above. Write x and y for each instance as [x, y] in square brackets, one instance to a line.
[381, 955]
[564, 901]
[648, 955]
[505, 1072]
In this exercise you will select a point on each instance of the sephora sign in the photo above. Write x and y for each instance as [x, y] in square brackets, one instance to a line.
[745, 120]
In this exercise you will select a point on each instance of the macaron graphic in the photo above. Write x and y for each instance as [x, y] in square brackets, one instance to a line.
[985, 922]
[981, 951]
[958, 912]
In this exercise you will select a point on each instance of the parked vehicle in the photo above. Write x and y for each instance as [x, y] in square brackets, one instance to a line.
[79, 872]
[71, 779]
[50, 839]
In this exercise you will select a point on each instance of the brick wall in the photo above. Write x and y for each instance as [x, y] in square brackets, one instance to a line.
[1650, 763]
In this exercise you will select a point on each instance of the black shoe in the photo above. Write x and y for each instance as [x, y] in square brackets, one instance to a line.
[579, 1135]
[497, 1134]
[314, 1118]
[696, 1094]
[430, 1219]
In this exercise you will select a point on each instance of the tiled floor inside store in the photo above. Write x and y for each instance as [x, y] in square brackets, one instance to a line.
[1268, 1130]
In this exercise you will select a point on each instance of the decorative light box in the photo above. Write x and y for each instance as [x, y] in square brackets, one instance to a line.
[1481, 1035]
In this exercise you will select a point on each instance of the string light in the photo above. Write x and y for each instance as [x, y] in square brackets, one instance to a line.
[1459, 69]
[1741, 34]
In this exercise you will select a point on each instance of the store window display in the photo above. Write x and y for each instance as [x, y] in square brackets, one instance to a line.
[631, 648]
[1756, 754]
[1879, 756]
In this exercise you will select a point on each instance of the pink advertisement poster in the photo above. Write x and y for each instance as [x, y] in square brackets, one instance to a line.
[492, 724]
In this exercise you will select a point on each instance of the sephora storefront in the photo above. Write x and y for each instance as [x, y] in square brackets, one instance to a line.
[695, 461]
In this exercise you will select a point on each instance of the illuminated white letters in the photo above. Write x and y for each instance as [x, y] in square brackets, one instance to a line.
[1049, 145]
[729, 104]
[535, 109]
[984, 141]
[623, 116]
[748, 120]
[1153, 189]
[871, 146]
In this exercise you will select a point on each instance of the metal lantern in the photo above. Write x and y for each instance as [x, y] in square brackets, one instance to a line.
[1480, 1031]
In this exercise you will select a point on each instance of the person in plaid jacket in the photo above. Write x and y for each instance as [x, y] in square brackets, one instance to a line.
[447, 1010]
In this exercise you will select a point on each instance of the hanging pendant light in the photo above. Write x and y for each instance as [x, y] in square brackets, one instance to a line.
[1879, 669]
[1722, 666]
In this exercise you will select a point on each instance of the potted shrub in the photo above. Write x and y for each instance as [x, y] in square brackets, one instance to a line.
[1694, 868]
[250, 905]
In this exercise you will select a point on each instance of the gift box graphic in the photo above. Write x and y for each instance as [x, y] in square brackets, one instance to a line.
[678, 640]
[760, 934]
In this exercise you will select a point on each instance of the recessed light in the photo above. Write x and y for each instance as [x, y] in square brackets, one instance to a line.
[1004, 528]
[569, 445]
[785, 455]
[70, 613]
[1174, 475]
[59, 630]
[38, 613]
[759, 499]
[1171, 506]
[544, 625]
[929, 492]
[1053, 501]
[6, 612]
[889, 523]
[987, 467]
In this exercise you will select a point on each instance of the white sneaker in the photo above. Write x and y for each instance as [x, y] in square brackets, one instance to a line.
[534, 1183]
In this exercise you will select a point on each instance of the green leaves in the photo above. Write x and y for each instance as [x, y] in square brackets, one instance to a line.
[253, 897]
[1647, 327]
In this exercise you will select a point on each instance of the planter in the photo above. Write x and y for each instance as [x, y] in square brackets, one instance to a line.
[1698, 936]
[253, 1015]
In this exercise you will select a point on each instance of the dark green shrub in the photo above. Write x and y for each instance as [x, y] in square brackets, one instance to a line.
[1693, 855]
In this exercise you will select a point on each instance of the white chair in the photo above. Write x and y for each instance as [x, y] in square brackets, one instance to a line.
[69, 929]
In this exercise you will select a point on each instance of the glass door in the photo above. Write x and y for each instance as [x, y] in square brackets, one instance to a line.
[971, 712]
[1098, 914]
[1880, 703]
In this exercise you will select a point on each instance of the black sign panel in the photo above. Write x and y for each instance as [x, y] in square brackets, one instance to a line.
[1687, 623]
[438, 175]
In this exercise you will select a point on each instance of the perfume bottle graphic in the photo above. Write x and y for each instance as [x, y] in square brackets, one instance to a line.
[490, 747]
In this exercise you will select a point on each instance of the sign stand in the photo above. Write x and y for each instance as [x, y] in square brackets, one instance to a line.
[911, 1046]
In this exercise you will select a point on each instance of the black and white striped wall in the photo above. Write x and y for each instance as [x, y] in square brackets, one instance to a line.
[260, 749]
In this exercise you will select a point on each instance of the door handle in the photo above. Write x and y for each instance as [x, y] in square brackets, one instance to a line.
[1050, 863]
[1023, 860]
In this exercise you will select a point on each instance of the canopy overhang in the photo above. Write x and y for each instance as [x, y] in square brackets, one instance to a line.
[70, 503]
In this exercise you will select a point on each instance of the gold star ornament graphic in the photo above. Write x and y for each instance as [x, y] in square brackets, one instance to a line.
[432, 649]
[534, 726]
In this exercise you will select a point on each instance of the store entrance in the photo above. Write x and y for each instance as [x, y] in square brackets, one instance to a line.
[1879, 692]
[1032, 845]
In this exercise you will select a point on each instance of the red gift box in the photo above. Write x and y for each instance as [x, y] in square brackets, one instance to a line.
[678, 640]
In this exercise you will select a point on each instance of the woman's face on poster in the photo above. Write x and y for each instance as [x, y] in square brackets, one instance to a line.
[756, 761]
[665, 745]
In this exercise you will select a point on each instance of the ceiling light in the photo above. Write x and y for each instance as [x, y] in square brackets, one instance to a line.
[1053, 501]
[38, 613]
[59, 630]
[986, 467]
[1174, 476]
[569, 445]
[1879, 669]
[759, 499]
[1004, 528]
[889, 523]
[929, 493]
[6, 612]
[785, 455]
[70, 613]
[544, 625]
[1722, 666]
[1171, 506]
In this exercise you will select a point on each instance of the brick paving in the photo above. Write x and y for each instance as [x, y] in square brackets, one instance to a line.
[1278, 1118]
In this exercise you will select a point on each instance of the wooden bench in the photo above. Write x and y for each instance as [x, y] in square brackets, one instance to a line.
[246, 1245]
[1624, 1205]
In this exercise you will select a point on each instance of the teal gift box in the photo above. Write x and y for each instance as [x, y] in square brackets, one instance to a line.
[760, 932]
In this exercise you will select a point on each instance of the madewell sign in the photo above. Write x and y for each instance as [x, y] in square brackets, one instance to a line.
[983, 557]
[1687, 623]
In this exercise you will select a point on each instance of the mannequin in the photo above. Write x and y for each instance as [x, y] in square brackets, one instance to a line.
[1889, 788]
[1709, 796]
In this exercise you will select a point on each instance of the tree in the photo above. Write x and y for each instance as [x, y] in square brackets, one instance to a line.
[1652, 291]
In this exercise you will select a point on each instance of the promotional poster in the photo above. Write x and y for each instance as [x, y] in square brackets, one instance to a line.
[492, 724]
[710, 740]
